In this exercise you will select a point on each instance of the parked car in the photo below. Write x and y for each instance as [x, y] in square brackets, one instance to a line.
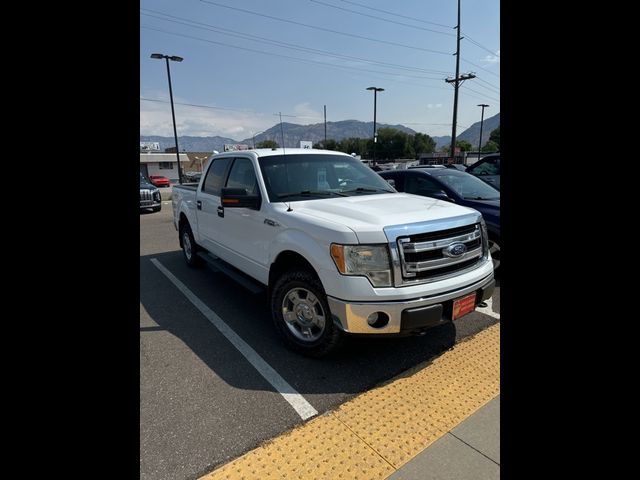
[149, 195]
[193, 177]
[159, 180]
[339, 251]
[457, 187]
[457, 166]
[487, 169]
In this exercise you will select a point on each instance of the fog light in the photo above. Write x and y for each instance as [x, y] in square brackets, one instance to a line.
[378, 319]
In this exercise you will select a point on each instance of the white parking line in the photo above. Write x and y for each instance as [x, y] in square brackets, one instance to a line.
[297, 401]
[488, 310]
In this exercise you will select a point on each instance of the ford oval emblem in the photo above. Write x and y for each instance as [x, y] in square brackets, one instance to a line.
[455, 249]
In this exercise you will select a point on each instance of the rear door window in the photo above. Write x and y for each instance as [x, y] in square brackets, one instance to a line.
[216, 176]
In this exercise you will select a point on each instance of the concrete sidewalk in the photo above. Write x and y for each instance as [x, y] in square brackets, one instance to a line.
[470, 451]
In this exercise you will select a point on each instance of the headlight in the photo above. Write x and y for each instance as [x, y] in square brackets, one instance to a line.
[371, 261]
[485, 239]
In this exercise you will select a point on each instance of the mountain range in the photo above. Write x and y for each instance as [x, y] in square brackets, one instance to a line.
[472, 134]
[294, 133]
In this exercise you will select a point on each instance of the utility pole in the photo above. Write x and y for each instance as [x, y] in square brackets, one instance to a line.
[457, 81]
[483, 105]
[325, 126]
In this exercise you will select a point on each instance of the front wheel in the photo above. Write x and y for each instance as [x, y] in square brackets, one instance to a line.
[301, 314]
[189, 247]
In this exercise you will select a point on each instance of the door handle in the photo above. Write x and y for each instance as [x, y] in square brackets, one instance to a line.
[199, 205]
[220, 211]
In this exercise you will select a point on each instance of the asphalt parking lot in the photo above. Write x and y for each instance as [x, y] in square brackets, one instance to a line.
[202, 403]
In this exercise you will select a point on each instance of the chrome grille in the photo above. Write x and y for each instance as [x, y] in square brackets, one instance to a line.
[424, 256]
[146, 198]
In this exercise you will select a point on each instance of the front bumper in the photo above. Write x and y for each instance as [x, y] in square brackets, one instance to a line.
[148, 204]
[406, 316]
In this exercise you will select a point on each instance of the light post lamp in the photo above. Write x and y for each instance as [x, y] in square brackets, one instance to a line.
[173, 58]
[200, 160]
[375, 135]
[483, 105]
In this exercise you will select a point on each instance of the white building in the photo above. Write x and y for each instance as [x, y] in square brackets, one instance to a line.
[164, 164]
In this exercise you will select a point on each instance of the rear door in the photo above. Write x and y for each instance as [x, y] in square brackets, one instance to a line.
[208, 205]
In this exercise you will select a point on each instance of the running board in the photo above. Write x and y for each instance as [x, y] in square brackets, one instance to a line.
[217, 265]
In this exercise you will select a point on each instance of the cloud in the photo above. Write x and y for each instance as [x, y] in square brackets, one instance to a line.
[304, 111]
[432, 105]
[492, 58]
[155, 119]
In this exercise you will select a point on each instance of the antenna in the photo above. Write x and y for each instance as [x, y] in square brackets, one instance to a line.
[284, 152]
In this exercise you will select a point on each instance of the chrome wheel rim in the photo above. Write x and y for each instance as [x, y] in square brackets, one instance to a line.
[494, 251]
[186, 244]
[303, 314]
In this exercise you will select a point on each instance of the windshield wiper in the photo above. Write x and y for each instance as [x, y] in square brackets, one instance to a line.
[362, 189]
[481, 198]
[307, 193]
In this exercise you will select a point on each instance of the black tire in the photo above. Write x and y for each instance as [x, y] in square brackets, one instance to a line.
[323, 340]
[189, 246]
[157, 209]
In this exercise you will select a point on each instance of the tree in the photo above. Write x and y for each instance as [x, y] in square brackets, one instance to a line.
[490, 146]
[495, 136]
[331, 144]
[462, 144]
[267, 144]
[423, 143]
[353, 145]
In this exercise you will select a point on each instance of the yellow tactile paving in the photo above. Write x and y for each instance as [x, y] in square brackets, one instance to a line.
[372, 435]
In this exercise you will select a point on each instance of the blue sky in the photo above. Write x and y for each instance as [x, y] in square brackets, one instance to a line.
[301, 68]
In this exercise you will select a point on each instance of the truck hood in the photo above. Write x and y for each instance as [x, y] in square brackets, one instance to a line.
[367, 215]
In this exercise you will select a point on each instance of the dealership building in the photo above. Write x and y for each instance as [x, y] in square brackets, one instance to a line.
[165, 164]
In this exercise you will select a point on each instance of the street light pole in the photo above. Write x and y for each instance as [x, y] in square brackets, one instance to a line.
[483, 105]
[173, 58]
[375, 102]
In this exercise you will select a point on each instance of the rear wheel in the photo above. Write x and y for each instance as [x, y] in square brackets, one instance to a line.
[189, 247]
[301, 314]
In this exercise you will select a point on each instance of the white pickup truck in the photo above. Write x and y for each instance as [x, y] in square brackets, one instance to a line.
[339, 250]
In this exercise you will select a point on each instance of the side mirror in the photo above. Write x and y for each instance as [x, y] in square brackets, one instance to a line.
[441, 196]
[238, 198]
[391, 182]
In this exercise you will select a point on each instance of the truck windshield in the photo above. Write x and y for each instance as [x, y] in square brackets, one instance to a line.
[308, 176]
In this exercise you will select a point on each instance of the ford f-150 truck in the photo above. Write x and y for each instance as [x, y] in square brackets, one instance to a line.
[339, 250]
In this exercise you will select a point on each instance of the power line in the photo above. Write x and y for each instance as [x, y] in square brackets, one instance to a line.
[488, 83]
[478, 66]
[280, 55]
[291, 116]
[483, 95]
[256, 38]
[396, 14]
[478, 44]
[324, 29]
[222, 108]
[380, 18]
[491, 89]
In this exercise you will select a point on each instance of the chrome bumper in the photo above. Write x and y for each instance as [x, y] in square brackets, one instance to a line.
[352, 316]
